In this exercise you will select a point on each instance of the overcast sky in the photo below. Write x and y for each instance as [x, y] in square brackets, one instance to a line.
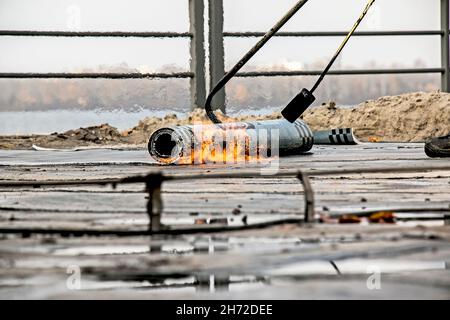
[19, 54]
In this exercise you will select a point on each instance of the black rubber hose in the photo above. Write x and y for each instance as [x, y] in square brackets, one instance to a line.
[230, 74]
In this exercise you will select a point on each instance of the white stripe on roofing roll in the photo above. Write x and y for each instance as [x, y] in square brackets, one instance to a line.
[336, 136]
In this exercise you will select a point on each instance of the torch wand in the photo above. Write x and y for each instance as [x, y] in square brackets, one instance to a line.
[305, 98]
[230, 74]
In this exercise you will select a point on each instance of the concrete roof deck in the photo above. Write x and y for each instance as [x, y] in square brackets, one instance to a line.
[290, 261]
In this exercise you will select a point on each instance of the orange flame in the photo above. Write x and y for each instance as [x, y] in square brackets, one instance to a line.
[230, 146]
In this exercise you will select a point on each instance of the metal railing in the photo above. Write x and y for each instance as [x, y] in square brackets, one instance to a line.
[217, 35]
[153, 186]
[216, 49]
[197, 52]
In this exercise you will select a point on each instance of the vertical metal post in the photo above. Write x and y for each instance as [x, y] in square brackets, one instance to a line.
[197, 48]
[216, 51]
[154, 203]
[309, 197]
[445, 44]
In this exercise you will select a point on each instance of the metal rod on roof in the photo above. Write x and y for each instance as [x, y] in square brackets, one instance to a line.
[230, 74]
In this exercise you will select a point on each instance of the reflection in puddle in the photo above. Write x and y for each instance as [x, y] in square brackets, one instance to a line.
[110, 283]
[123, 250]
[219, 283]
[356, 266]
[191, 282]
[100, 250]
[181, 220]
[193, 245]
[197, 283]
[249, 278]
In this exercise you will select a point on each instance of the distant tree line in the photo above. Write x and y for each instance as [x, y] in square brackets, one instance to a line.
[173, 94]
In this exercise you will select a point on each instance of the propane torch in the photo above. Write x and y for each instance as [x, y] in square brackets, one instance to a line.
[305, 98]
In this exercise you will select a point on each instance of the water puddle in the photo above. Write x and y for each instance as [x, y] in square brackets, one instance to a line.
[192, 245]
[193, 283]
[213, 220]
[101, 250]
[356, 266]
[124, 250]
[211, 283]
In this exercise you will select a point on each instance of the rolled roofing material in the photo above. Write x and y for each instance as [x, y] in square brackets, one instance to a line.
[189, 144]
[336, 137]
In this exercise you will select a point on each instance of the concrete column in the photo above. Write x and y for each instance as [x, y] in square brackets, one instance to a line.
[445, 44]
[197, 48]
[216, 51]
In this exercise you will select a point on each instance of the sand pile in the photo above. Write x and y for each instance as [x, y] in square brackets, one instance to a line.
[409, 117]
[412, 117]
[103, 134]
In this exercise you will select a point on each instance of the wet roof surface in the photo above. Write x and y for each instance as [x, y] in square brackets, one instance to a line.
[290, 261]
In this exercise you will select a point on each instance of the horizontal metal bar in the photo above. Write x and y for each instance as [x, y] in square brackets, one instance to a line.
[338, 72]
[143, 34]
[153, 182]
[413, 210]
[335, 33]
[413, 169]
[135, 233]
[245, 34]
[229, 175]
[312, 173]
[108, 75]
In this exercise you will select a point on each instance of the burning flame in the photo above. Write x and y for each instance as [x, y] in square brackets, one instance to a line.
[231, 144]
